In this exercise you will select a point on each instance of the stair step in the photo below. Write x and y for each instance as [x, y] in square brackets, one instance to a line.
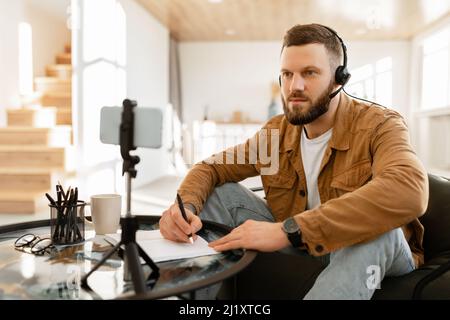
[32, 117]
[33, 156]
[61, 71]
[68, 48]
[25, 179]
[46, 84]
[31, 99]
[64, 116]
[58, 136]
[57, 99]
[21, 202]
[64, 58]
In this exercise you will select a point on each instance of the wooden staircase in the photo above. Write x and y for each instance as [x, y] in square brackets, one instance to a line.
[35, 147]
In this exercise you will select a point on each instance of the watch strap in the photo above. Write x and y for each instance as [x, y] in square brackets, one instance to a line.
[295, 239]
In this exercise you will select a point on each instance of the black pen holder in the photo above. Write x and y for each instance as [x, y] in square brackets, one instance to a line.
[67, 223]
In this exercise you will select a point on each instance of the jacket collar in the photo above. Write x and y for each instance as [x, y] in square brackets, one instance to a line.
[340, 139]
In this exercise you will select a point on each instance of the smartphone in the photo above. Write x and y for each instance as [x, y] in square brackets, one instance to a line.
[147, 126]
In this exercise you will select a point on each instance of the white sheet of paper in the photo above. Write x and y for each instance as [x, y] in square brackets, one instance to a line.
[160, 249]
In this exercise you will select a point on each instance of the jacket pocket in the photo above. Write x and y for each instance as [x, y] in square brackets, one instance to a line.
[279, 195]
[354, 177]
[281, 181]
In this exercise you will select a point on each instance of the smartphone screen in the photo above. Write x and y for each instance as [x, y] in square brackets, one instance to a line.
[147, 126]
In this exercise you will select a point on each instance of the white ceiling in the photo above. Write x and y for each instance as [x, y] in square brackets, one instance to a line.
[247, 20]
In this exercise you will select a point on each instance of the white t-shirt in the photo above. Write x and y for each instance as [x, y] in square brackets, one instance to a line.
[312, 154]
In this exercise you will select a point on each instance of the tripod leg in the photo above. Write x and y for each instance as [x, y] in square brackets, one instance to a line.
[134, 265]
[148, 260]
[154, 275]
[106, 257]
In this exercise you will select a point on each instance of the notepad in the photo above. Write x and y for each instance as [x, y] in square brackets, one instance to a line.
[160, 249]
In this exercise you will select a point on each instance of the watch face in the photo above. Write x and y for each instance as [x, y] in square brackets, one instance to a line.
[290, 225]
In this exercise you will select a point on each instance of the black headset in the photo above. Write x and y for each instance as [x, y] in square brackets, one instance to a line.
[341, 75]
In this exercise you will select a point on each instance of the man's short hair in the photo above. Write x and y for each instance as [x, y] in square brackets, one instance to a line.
[315, 33]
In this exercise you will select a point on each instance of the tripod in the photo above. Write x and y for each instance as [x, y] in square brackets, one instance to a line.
[129, 224]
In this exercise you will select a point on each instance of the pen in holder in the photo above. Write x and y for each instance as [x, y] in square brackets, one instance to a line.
[67, 223]
[66, 217]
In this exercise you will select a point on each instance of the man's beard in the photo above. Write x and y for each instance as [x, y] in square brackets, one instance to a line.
[318, 108]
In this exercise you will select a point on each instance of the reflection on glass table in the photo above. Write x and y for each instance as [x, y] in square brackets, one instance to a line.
[57, 273]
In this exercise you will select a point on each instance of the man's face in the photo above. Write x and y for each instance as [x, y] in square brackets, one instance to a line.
[306, 82]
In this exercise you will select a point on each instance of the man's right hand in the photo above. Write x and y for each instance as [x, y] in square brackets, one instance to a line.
[173, 226]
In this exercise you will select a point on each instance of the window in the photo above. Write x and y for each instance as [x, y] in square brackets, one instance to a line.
[432, 119]
[373, 81]
[25, 59]
[435, 71]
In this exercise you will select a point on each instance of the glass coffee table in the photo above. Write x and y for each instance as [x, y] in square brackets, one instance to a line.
[56, 275]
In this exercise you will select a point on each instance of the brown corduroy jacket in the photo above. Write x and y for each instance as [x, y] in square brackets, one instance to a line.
[370, 181]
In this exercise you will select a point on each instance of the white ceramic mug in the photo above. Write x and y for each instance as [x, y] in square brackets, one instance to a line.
[106, 212]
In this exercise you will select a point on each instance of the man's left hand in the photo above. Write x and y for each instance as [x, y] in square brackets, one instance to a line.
[257, 235]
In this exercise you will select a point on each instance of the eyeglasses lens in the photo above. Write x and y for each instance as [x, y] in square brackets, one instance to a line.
[25, 240]
[41, 245]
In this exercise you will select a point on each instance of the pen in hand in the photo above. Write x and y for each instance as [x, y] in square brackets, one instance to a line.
[180, 204]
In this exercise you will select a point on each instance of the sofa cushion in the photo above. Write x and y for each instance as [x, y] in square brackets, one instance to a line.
[436, 219]
[402, 288]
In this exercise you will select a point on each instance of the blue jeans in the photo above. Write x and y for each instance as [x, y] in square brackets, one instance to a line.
[353, 272]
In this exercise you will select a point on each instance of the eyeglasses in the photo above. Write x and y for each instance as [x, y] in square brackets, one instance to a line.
[31, 243]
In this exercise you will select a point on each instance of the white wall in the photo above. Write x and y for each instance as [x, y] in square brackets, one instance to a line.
[237, 75]
[227, 76]
[120, 51]
[11, 13]
[148, 79]
[49, 34]
[364, 52]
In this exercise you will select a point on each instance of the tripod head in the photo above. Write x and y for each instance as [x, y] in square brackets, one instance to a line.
[127, 138]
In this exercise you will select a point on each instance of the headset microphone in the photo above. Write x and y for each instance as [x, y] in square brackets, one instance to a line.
[334, 94]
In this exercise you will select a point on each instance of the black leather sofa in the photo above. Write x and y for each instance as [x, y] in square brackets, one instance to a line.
[281, 276]
[431, 280]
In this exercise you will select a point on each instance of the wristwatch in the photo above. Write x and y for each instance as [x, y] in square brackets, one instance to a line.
[293, 232]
